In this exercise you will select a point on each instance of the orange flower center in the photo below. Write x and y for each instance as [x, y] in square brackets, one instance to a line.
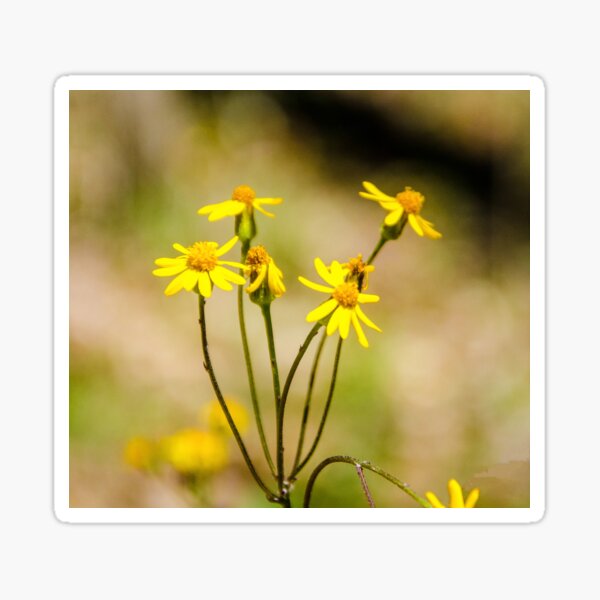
[257, 257]
[411, 201]
[346, 294]
[244, 193]
[202, 256]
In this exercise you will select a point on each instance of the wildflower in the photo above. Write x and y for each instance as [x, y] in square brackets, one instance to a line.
[212, 414]
[243, 198]
[343, 306]
[409, 202]
[140, 453]
[199, 267]
[358, 271]
[194, 451]
[456, 497]
[264, 276]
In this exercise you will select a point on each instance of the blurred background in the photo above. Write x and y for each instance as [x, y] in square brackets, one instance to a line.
[443, 392]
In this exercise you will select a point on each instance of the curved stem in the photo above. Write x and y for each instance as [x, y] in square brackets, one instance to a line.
[380, 244]
[249, 370]
[236, 434]
[282, 402]
[364, 464]
[365, 487]
[266, 311]
[336, 362]
[311, 383]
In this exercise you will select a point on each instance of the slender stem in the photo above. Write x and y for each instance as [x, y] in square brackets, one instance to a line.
[282, 402]
[365, 487]
[266, 311]
[364, 464]
[311, 383]
[380, 244]
[236, 434]
[336, 362]
[249, 370]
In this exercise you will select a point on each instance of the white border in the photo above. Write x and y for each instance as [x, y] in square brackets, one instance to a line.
[298, 82]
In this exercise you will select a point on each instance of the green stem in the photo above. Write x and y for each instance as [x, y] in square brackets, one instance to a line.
[249, 370]
[266, 311]
[311, 383]
[380, 244]
[282, 402]
[336, 362]
[363, 464]
[236, 434]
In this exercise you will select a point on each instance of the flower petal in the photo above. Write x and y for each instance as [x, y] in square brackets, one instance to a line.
[315, 286]
[267, 201]
[181, 248]
[262, 210]
[217, 278]
[176, 285]
[359, 332]
[208, 208]
[338, 272]
[204, 284]
[321, 311]
[392, 218]
[190, 279]
[345, 319]
[456, 494]
[361, 315]
[169, 271]
[472, 498]
[227, 246]
[169, 262]
[324, 273]
[373, 189]
[231, 263]
[261, 277]
[433, 500]
[367, 298]
[428, 229]
[414, 223]
[229, 208]
[230, 275]
[275, 281]
[334, 321]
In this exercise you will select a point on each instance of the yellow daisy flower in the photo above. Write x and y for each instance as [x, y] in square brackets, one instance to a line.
[199, 267]
[409, 202]
[243, 198]
[456, 497]
[358, 271]
[261, 267]
[212, 414]
[343, 307]
[194, 451]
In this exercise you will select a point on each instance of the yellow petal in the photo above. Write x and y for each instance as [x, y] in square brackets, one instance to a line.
[230, 275]
[321, 311]
[456, 494]
[428, 229]
[263, 211]
[361, 315]
[433, 500]
[359, 332]
[176, 285]
[229, 208]
[315, 286]
[392, 218]
[168, 271]
[190, 279]
[170, 262]
[324, 273]
[261, 277]
[414, 223]
[204, 210]
[345, 318]
[181, 248]
[472, 498]
[334, 321]
[231, 264]
[275, 282]
[267, 201]
[204, 284]
[367, 298]
[227, 246]
[337, 272]
[373, 189]
[370, 196]
[217, 278]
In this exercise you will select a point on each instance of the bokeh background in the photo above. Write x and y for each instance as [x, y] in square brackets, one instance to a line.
[443, 392]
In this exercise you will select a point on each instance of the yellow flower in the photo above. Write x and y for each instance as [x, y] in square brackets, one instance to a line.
[343, 306]
[358, 271]
[139, 453]
[260, 267]
[199, 267]
[193, 451]
[409, 202]
[212, 414]
[243, 198]
[456, 497]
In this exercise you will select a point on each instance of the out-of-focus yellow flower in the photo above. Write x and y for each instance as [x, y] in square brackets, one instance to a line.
[193, 451]
[212, 414]
[243, 198]
[199, 267]
[260, 267]
[357, 270]
[343, 306]
[456, 497]
[140, 453]
[409, 202]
